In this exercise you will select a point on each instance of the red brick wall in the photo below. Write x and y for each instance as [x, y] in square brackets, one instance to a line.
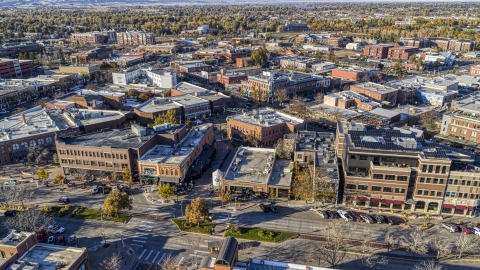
[347, 74]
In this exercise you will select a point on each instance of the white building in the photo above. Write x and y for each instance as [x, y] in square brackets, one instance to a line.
[161, 78]
[157, 77]
[126, 77]
[323, 66]
[355, 46]
[321, 48]
[448, 58]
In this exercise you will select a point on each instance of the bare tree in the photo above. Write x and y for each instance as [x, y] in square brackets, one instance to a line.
[31, 220]
[389, 241]
[37, 153]
[441, 246]
[416, 242]
[169, 262]
[464, 244]
[333, 250]
[428, 265]
[103, 232]
[115, 262]
[280, 96]
[17, 194]
[284, 148]
[370, 261]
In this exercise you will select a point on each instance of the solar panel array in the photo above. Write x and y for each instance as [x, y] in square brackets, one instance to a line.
[388, 136]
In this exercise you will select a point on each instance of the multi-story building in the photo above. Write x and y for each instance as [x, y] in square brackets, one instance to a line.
[266, 125]
[193, 67]
[397, 169]
[134, 38]
[463, 123]
[144, 75]
[401, 52]
[97, 37]
[298, 63]
[230, 77]
[294, 27]
[296, 83]
[377, 92]
[416, 42]
[12, 50]
[96, 99]
[379, 51]
[170, 164]
[218, 101]
[338, 42]
[151, 109]
[475, 70]
[453, 44]
[20, 250]
[13, 68]
[356, 74]
[84, 57]
[110, 151]
[81, 69]
[350, 99]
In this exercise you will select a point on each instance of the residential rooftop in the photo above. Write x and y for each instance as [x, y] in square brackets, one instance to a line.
[266, 117]
[15, 238]
[83, 117]
[252, 165]
[376, 87]
[158, 104]
[52, 256]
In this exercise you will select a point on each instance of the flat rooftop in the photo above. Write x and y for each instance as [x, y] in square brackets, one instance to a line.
[281, 173]
[83, 117]
[376, 87]
[384, 112]
[15, 238]
[61, 102]
[251, 165]
[158, 104]
[189, 100]
[344, 113]
[199, 91]
[50, 256]
[116, 138]
[266, 117]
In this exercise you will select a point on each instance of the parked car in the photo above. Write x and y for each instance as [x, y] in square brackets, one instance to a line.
[450, 227]
[323, 214]
[467, 230]
[264, 208]
[10, 213]
[11, 182]
[355, 216]
[61, 240]
[72, 240]
[476, 231]
[51, 240]
[367, 219]
[378, 219]
[42, 236]
[273, 208]
[334, 214]
[94, 190]
[388, 220]
[55, 229]
[64, 200]
[346, 216]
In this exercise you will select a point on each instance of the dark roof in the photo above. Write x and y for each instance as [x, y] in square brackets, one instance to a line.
[227, 251]
[204, 262]
[123, 138]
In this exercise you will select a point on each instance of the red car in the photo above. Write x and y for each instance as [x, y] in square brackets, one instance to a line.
[466, 230]
[61, 240]
[355, 216]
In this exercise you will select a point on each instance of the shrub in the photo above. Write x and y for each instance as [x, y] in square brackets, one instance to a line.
[47, 209]
[236, 229]
[271, 235]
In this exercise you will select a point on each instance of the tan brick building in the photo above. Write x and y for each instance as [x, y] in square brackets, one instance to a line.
[401, 52]
[379, 51]
[377, 92]
[463, 124]
[267, 126]
[134, 38]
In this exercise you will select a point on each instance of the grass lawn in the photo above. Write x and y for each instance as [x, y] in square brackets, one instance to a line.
[258, 234]
[89, 213]
[204, 228]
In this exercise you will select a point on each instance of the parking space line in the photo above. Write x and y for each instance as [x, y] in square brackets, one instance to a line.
[140, 241]
[181, 260]
[155, 258]
[148, 256]
[142, 253]
[201, 251]
[136, 245]
[161, 258]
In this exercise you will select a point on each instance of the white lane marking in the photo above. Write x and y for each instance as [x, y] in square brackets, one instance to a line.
[136, 245]
[181, 260]
[203, 245]
[141, 237]
[161, 258]
[140, 241]
[136, 266]
[143, 221]
[155, 258]
[142, 253]
[148, 256]
[200, 251]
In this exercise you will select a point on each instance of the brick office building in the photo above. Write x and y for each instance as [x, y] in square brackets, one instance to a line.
[463, 123]
[12, 50]
[97, 99]
[13, 68]
[267, 125]
[355, 74]
[88, 38]
[379, 51]
[84, 57]
[135, 38]
[380, 166]
[151, 109]
[377, 92]
[401, 52]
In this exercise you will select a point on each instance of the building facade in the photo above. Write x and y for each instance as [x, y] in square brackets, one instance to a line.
[135, 38]
[379, 51]
[13, 68]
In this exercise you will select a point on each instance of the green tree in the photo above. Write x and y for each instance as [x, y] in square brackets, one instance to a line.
[196, 212]
[133, 93]
[259, 57]
[225, 196]
[331, 56]
[42, 175]
[127, 176]
[412, 59]
[398, 69]
[166, 191]
[115, 202]
[169, 117]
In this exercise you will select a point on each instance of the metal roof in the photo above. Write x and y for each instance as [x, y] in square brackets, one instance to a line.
[227, 251]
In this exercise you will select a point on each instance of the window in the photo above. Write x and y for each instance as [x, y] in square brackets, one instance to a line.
[101, 164]
[419, 192]
[475, 183]
[463, 182]
[375, 188]
[453, 129]
[24, 144]
[109, 164]
[425, 192]
[16, 146]
[430, 168]
[437, 169]
[387, 189]
[300, 156]
[86, 162]
[48, 140]
[474, 134]
[78, 161]
[435, 180]
[377, 176]
[64, 160]
[389, 177]
[424, 168]
[41, 142]
[444, 169]
[432, 193]
[452, 194]
[428, 180]
[399, 190]
[116, 156]
[447, 194]
[402, 178]
[422, 179]
[463, 131]
[108, 155]
[362, 187]
[455, 182]
[468, 183]
[450, 181]
[350, 186]
[93, 163]
[465, 195]
[442, 181]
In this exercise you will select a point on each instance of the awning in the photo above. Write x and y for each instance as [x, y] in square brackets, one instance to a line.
[386, 201]
[374, 200]
[460, 207]
[470, 208]
[362, 199]
[149, 178]
[398, 202]
[170, 179]
[21, 153]
[447, 206]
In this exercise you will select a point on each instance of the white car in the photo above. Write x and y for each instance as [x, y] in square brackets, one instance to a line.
[94, 189]
[55, 229]
[11, 182]
[346, 216]
[476, 231]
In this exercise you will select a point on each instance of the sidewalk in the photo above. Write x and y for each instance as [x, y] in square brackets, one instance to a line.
[100, 255]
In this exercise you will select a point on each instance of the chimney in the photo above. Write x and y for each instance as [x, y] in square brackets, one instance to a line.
[23, 118]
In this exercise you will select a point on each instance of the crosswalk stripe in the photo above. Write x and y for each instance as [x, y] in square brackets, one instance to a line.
[148, 256]
[142, 253]
[161, 258]
[155, 258]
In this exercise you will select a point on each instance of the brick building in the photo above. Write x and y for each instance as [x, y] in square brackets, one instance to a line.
[229, 77]
[218, 101]
[475, 70]
[399, 170]
[356, 74]
[110, 151]
[453, 44]
[349, 99]
[379, 51]
[267, 126]
[12, 50]
[96, 99]
[13, 68]
[242, 61]
[463, 123]
[84, 57]
[338, 42]
[88, 38]
[193, 67]
[233, 54]
[377, 92]
[151, 109]
[81, 69]
[134, 38]
[401, 52]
